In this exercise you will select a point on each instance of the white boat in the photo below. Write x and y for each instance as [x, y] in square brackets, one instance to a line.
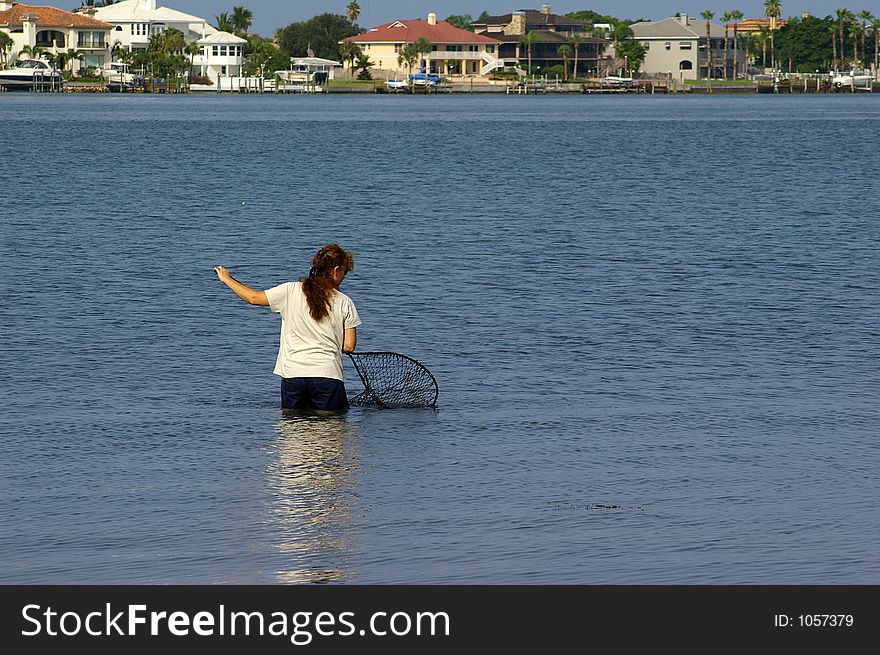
[119, 76]
[396, 85]
[619, 82]
[31, 75]
[853, 80]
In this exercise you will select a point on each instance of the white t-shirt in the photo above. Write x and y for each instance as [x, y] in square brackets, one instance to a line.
[310, 348]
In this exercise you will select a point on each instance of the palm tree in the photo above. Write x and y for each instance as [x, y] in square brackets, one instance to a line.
[736, 15]
[865, 17]
[875, 31]
[772, 10]
[854, 30]
[843, 19]
[33, 51]
[408, 57]
[708, 16]
[6, 45]
[833, 30]
[564, 51]
[528, 39]
[224, 24]
[65, 59]
[763, 37]
[241, 20]
[192, 49]
[353, 11]
[422, 47]
[350, 51]
[576, 40]
[726, 17]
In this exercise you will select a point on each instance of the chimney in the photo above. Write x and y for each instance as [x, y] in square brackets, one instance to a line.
[432, 18]
[545, 9]
[517, 26]
[6, 5]
[683, 19]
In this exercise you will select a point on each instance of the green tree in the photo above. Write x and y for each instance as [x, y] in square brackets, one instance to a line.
[708, 16]
[64, 60]
[462, 21]
[875, 27]
[528, 39]
[323, 33]
[576, 41]
[241, 20]
[564, 51]
[844, 18]
[6, 45]
[726, 17]
[33, 51]
[192, 49]
[811, 43]
[633, 54]
[866, 17]
[353, 11]
[407, 57]
[363, 67]
[224, 23]
[350, 51]
[262, 58]
[736, 16]
[772, 10]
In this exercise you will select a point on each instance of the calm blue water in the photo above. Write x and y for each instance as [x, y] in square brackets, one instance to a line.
[655, 322]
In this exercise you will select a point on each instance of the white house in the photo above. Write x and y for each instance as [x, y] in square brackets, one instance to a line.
[55, 31]
[677, 46]
[134, 21]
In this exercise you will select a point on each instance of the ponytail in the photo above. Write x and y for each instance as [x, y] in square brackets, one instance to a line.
[318, 286]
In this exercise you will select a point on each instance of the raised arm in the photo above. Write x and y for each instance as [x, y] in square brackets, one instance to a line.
[243, 291]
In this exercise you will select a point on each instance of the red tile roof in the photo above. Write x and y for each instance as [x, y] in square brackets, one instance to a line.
[409, 31]
[755, 24]
[49, 17]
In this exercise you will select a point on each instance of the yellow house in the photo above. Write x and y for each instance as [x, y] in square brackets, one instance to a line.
[454, 51]
[55, 31]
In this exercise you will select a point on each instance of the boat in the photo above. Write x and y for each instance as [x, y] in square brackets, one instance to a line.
[120, 78]
[423, 79]
[31, 75]
[853, 79]
[396, 85]
[618, 82]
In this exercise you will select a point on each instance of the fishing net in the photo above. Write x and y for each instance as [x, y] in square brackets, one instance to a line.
[393, 380]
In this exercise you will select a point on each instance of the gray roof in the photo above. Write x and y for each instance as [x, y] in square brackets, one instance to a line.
[672, 28]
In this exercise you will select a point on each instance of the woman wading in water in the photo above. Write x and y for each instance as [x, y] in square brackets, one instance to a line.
[318, 324]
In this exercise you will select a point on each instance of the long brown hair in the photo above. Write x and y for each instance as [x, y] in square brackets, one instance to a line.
[319, 286]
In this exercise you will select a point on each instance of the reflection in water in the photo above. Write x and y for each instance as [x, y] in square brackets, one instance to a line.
[314, 482]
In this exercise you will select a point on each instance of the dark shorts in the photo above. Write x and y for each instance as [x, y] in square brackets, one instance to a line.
[313, 393]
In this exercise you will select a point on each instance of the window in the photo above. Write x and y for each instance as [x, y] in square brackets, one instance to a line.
[91, 40]
[490, 47]
[213, 51]
[685, 45]
[473, 48]
[397, 48]
[685, 65]
[667, 45]
[223, 70]
[454, 48]
[222, 50]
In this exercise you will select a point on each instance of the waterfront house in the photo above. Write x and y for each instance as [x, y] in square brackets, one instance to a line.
[454, 51]
[677, 48]
[550, 31]
[56, 31]
[221, 54]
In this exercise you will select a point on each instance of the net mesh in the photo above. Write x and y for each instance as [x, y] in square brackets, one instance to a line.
[393, 380]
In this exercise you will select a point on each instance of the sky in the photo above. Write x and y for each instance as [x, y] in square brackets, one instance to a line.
[272, 14]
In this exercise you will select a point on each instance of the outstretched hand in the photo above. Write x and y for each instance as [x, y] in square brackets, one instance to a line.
[223, 273]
